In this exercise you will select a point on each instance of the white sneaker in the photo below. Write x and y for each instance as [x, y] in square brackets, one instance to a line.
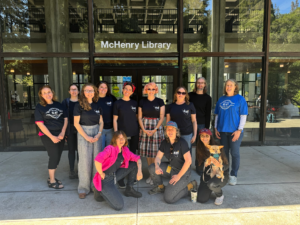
[148, 180]
[232, 180]
[219, 200]
[151, 182]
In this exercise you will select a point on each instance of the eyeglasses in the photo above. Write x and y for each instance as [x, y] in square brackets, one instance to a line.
[89, 91]
[75, 89]
[149, 89]
[181, 93]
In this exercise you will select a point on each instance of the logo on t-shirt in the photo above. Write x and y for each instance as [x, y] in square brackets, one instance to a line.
[226, 104]
[156, 108]
[133, 109]
[176, 153]
[186, 112]
[54, 113]
[97, 111]
[108, 103]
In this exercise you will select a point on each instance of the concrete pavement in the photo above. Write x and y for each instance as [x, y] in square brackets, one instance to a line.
[268, 192]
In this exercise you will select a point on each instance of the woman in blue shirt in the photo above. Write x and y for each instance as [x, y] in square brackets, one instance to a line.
[231, 113]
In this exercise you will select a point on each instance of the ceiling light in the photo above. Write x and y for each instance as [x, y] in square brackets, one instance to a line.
[74, 73]
[28, 73]
[226, 66]
[12, 70]
[260, 69]
[281, 65]
[289, 71]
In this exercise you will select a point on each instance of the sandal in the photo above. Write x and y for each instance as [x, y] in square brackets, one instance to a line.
[55, 185]
[58, 181]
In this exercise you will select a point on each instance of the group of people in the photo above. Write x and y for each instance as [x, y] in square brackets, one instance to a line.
[112, 135]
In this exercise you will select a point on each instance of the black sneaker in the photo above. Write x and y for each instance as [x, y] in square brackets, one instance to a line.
[121, 184]
[156, 190]
[97, 196]
[73, 174]
[130, 192]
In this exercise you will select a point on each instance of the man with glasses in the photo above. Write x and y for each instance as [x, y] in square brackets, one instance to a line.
[202, 103]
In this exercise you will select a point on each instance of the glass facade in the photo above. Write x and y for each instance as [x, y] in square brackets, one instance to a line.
[171, 42]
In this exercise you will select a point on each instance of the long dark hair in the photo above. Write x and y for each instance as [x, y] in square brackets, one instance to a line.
[202, 153]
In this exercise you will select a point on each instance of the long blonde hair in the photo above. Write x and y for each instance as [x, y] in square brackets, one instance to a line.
[83, 100]
[187, 97]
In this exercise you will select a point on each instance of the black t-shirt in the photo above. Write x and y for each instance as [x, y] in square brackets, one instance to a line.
[151, 108]
[106, 105]
[52, 115]
[126, 112]
[181, 114]
[175, 157]
[88, 118]
[202, 104]
[116, 165]
[71, 110]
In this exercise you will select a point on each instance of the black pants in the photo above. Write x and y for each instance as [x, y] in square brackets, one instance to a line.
[110, 192]
[54, 150]
[214, 184]
[72, 145]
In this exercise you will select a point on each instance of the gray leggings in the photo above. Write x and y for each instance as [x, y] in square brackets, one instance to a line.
[172, 192]
[87, 153]
[110, 192]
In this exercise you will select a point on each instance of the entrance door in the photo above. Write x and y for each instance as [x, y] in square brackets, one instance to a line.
[166, 80]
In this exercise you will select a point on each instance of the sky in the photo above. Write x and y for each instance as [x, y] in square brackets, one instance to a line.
[284, 5]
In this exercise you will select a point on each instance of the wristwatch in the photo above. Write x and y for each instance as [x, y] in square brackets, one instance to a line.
[240, 130]
[99, 132]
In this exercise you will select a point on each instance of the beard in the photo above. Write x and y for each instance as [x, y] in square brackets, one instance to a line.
[200, 89]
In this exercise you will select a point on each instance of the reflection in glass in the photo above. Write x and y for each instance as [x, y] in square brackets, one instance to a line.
[24, 78]
[44, 26]
[284, 31]
[232, 26]
[283, 100]
[135, 26]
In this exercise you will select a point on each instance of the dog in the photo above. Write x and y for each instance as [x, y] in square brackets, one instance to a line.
[215, 160]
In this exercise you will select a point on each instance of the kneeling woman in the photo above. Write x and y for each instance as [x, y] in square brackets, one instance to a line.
[208, 181]
[114, 163]
[178, 168]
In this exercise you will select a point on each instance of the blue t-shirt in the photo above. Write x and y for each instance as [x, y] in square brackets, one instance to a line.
[229, 110]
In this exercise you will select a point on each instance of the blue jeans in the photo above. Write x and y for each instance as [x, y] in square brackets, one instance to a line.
[106, 137]
[234, 147]
[188, 139]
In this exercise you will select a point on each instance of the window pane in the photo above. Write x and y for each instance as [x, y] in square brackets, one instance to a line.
[240, 28]
[135, 26]
[283, 100]
[44, 26]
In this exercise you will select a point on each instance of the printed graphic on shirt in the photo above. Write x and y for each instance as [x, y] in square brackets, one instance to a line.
[156, 108]
[226, 104]
[54, 113]
[176, 153]
[97, 111]
[186, 112]
[108, 103]
[133, 109]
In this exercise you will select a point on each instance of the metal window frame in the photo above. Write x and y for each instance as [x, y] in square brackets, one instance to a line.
[180, 54]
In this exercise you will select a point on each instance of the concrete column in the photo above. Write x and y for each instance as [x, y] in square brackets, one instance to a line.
[57, 39]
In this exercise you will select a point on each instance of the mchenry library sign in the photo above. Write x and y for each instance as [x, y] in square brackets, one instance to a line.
[135, 46]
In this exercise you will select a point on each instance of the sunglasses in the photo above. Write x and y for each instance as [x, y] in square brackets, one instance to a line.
[149, 89]
[181, 93]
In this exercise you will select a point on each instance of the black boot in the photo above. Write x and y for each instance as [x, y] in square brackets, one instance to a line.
[131, 192]
[97, 196]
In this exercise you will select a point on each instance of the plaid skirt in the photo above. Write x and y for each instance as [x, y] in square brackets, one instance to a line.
[149, 146]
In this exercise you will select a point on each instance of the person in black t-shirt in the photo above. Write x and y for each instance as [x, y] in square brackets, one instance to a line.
[151, 116]
[208, 181]
[89, 124]
[106, 102]
[71, 132]
[184, 114]
[178, 168]
[125, 119]
[52, 121]
[202, 103]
